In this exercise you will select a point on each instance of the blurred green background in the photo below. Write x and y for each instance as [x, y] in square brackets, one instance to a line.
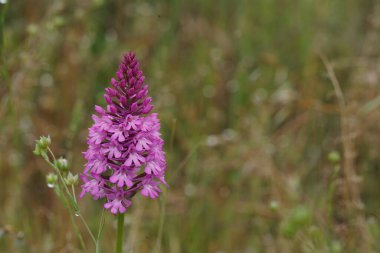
[261, 157]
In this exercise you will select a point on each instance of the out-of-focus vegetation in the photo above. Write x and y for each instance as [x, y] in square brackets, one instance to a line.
[264, 152]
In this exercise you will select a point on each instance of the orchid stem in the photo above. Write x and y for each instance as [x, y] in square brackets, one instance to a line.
[120, 230]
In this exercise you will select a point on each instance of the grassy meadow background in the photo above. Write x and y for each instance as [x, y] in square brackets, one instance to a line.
[269, 108]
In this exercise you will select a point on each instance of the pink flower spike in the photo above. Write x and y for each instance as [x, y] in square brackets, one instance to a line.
[125, 149]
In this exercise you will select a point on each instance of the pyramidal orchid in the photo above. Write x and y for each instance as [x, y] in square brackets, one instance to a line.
[124, 154]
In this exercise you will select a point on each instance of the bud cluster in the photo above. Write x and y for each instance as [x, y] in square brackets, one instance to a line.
[60, 165]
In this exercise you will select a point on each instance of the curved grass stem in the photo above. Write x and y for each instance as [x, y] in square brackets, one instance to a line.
[100, 230]
[70, 196]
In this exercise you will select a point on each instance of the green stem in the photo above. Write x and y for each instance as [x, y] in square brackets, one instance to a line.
[100, 230]
[66, 203]
[120, 229]
[73, 190]
[161, 226]
[87, 227]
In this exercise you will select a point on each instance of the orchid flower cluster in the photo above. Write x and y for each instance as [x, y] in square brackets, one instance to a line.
[124, 153]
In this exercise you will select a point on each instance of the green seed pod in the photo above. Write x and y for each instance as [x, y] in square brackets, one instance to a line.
[61, 164]
[71, 179]
[44, 142]
[51, 180]
[37, 149]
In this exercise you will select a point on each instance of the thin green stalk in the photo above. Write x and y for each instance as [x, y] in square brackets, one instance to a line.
[120, 230]
[87, 227]
[161, 226]
[82, 219]
[67, 206]
[73, 190]
[101, 225]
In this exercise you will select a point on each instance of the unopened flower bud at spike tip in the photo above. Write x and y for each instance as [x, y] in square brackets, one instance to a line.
[124, 143]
